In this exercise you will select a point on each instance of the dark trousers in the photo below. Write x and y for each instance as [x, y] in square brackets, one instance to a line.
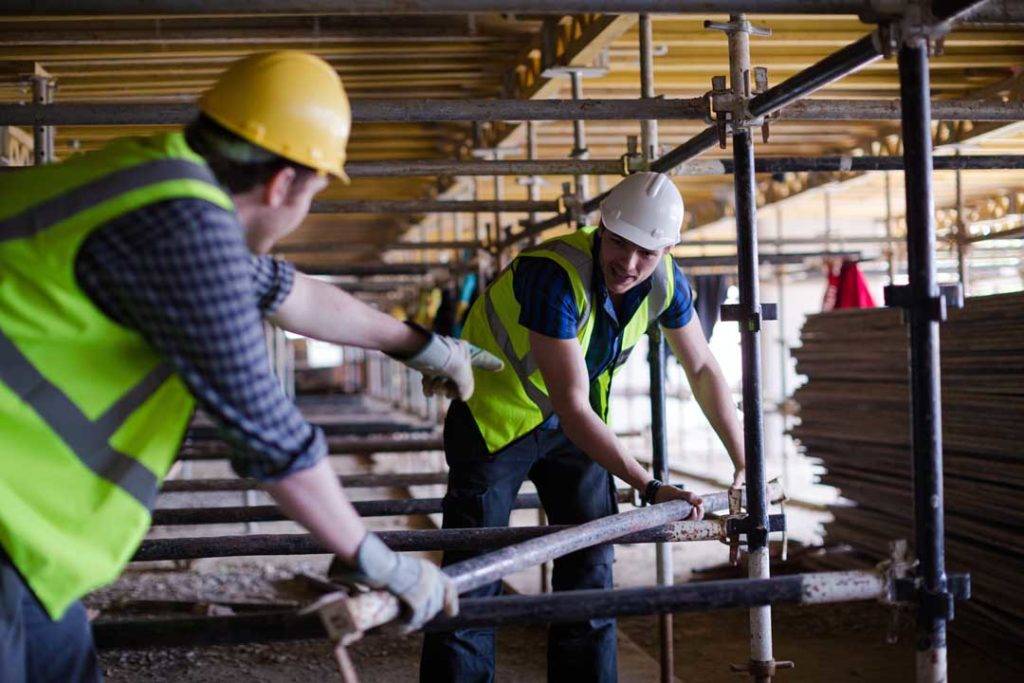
[36, 649]
[481, 490]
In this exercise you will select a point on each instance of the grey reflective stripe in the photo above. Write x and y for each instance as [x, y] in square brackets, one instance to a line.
[500, 334]
[658, 296]
[110, 421]
[623, 357]
[78, 432]
[39, 217]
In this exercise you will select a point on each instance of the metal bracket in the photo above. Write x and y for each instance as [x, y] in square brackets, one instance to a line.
[736, 526]
[633, 161]
[934, 307]
[726, 108]
[933, 604]
[752, 319]
[908, 21]
[762, 671]
[572, 203]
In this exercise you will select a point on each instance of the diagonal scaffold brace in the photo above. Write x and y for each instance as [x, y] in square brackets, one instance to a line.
[347, 617]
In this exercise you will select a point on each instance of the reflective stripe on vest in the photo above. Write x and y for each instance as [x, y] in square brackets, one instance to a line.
[39, 217]
[86, 438]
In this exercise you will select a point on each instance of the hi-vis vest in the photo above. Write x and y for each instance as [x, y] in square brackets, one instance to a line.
[91, 417]
[509, 404]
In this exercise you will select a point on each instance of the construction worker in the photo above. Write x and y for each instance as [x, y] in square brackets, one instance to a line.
[564, 317]
[133, 282]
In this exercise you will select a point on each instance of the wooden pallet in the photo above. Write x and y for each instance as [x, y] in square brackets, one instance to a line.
[854, 420]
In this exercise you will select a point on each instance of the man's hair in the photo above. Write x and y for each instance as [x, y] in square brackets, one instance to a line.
[238, 164]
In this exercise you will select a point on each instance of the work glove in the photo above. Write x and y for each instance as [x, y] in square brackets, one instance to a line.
[447, 365]
[423, 589]
[668, 492]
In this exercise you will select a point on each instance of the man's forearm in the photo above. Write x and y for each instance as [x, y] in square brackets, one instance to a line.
[320, 310]
[715, 400]
[314, 498]
[592, 436]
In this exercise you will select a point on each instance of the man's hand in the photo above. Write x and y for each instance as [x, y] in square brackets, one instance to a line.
[447, 366]
[739, 478]
[668, 492]
[423, 588]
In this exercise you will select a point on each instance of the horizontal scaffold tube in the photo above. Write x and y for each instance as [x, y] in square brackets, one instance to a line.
[352, 428]
[383, 480]
[698, 167]
[219, 450]
[430, 206]
[432, 110]
[241, 514]
[816, 588]
[401, 540]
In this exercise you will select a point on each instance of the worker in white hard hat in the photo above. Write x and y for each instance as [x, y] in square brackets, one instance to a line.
[564, 317]
[135, 281]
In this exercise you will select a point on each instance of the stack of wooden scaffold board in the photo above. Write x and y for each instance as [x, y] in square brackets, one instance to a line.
[854, 418]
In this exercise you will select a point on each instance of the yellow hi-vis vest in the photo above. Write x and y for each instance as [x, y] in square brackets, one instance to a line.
[91, 416]
[508, 405]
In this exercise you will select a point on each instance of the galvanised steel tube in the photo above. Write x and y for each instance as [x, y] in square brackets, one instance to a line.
[660, 469]
[925, 388]
[391, 8]
[428, 111]
[429, 206]
[818, 75]
[703, 167]
[402, 540]
[348, 480]
[484, 569]
[232, 514]
[817, 588]
[219, 450]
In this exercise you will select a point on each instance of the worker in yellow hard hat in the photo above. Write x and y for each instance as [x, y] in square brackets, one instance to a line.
[134, 281]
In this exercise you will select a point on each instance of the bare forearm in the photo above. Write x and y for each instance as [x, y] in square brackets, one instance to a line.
[320, 310]
[586, 430]
[715, 401]
[313, 498]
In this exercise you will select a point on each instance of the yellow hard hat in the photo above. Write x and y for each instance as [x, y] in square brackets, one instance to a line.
[289, 102]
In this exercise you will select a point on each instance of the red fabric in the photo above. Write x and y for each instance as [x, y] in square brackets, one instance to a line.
[848, 289]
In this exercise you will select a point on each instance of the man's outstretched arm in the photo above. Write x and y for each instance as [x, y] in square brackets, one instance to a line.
[710, 389]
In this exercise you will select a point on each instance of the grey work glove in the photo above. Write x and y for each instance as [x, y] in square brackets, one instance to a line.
[423, 588]
[447, 366]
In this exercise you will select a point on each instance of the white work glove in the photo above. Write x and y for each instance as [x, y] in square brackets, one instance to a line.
[668, 492]
[447, 366]
[423, 588]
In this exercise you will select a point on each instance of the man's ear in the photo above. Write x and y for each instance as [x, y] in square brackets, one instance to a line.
[278, 187]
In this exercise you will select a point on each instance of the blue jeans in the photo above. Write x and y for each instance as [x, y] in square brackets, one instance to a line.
[36, 649]
[481, 490]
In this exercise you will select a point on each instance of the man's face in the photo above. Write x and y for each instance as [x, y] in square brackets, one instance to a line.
[624, 264]
[282, 206]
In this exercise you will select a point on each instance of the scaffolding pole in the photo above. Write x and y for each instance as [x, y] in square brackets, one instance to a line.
[817, 588]
[219, 450]
[925, 310]
[471, 110]
[385, 480]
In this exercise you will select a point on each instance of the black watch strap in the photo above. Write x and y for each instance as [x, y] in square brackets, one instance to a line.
[651, 490]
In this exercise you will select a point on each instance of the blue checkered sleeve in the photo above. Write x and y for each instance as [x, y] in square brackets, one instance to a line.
[546, 301]
[680, 309]
[180, 273]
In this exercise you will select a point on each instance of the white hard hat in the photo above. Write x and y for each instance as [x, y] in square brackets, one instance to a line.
[646, 209]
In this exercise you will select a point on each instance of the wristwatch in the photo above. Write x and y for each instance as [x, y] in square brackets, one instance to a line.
[651, 491]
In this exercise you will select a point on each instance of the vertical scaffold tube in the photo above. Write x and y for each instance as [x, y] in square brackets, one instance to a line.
[656, 361]
[926, 429]
[761, 655]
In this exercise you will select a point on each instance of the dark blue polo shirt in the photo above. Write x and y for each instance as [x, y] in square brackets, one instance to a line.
[548, 307]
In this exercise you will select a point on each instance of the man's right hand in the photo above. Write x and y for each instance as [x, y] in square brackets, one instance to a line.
[669, 492]
[423, 588]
